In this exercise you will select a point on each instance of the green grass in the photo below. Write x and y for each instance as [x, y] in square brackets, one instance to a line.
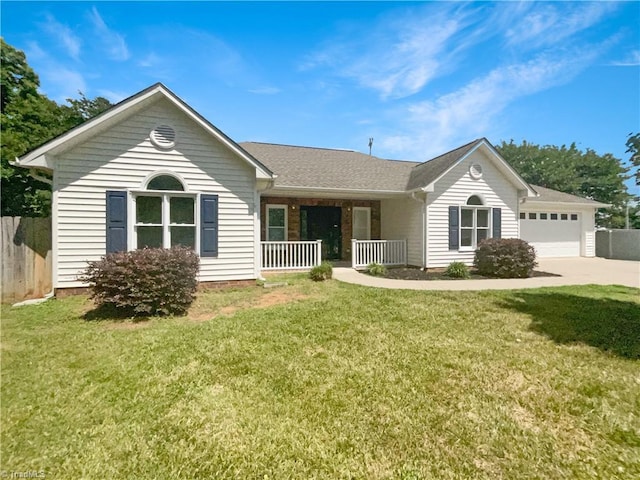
[329, 380]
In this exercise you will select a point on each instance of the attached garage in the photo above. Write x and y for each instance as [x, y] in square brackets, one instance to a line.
[552, 234]
[558, 224]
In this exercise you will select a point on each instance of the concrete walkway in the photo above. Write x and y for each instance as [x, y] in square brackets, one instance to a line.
[573, 271]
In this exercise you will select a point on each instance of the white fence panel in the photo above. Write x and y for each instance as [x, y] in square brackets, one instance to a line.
[384, 252]
[290, 255]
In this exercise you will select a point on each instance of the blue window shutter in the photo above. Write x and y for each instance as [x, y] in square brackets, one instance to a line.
[497, 222]
[454, 231]
[209, 225]
[116, 221]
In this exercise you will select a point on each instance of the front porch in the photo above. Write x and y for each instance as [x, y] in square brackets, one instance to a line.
[308, 254]
[334, 221]
[298, 233]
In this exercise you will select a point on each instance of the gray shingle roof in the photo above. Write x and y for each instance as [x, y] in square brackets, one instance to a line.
[426, 172]
[554, 196]
[310, 167]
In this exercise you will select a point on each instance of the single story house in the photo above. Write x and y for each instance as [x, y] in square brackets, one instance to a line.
[151, 171]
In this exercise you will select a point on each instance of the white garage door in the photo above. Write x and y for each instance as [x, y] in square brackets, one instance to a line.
[552, 234]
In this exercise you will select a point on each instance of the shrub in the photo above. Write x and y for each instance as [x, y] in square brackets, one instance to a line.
[457, 270]
[321, 272]
[151, 281]
[505, 258]
[376, 269]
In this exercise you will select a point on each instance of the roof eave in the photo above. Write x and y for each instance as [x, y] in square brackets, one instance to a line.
[338, 191]
[41, 162]
[543, 203]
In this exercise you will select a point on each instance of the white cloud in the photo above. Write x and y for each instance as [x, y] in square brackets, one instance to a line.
[266, 90]
[535, 25]
[61, 82]
[151, 60]
[631, 60]
[64, 35]
[69, 82]
[435, 126]
[398, 55]
[113, 97]
[113, 42]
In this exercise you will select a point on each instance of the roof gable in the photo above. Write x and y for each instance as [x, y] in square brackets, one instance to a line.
[427, 173]
[41, 156]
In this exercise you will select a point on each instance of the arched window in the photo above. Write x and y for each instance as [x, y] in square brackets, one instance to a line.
[474, 222]
[474, 200]
[165, 182]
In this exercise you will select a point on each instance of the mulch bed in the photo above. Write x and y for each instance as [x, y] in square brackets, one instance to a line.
[412, 273]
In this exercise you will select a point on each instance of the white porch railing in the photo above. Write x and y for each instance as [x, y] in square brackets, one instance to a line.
[384, 252]
[290, 255]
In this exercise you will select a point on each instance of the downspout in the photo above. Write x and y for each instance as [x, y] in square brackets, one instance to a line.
[423, 202]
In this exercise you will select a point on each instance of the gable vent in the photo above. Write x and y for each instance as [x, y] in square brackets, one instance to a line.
[475, 171]
[163, 136]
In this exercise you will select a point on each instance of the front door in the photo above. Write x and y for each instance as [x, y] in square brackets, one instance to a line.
[323, 223]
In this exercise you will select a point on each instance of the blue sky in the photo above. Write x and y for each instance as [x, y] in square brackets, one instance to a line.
[420, 78]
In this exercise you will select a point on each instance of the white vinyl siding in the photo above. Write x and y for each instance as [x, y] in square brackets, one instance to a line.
[402, 219]
[454, 189]
[121, 158]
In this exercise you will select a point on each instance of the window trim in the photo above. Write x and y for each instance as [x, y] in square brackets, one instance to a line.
[474, 229]
[166, 225]
[353, 221]
[277, 206]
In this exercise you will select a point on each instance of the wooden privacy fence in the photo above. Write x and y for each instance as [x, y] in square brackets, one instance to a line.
[25, 247]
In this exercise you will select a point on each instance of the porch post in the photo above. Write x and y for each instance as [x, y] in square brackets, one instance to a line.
[318, 252]
[354, 244]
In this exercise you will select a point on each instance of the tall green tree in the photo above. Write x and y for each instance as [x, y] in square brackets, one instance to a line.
[570, 170]
[633, 147]
[27, 120]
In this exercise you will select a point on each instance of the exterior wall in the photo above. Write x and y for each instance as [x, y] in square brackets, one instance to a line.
[618, 244]
[588, 236]
[454, 189]
[403, 219]
[122, 157]
[293, 217]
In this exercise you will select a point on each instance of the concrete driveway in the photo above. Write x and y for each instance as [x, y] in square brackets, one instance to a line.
[572, 271]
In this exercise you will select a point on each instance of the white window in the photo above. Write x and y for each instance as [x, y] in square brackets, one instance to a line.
[474, 223]
[276, 223]
[165, 215]
[362, 223]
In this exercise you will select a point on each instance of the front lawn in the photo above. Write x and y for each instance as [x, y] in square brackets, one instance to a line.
[329, 380]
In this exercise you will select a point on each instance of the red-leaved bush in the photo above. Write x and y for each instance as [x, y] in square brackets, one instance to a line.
[151, 281]
[505, 258]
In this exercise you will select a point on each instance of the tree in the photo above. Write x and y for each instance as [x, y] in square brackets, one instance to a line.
[567, 169]
[17, 79]
[633, 147]
[27, 120]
